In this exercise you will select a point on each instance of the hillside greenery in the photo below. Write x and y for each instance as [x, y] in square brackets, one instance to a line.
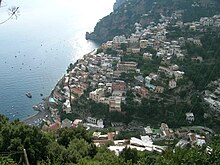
[70, 146]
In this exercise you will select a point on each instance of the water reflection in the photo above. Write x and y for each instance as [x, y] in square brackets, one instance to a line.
[37, 48]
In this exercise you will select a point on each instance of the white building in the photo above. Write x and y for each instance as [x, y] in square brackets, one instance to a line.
[148, 130]
[67, 106]
[94, 123]
[143, 43]
[148, 79]
[108, 44]
[178, 75]
[172, 84]
[190, 117]
[134, 38]
[97, 94]
[205, 21]
[174, 67]
[217, 23]
[91, 120]
[100, 123]
[115, 104]
[119, 39]
[154, 76]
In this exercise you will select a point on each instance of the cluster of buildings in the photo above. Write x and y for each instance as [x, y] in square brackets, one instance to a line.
[205, 21]
[212, 96]
[116, 90]
[192, 136]
[197, 25]
[95, 72]
[149, 140]
[152, 37]
[143, 144]
[100, 74]
[200, 26]
[88, 123]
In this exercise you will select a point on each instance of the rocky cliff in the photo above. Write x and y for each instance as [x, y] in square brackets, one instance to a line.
[118, 4]
[122, 19]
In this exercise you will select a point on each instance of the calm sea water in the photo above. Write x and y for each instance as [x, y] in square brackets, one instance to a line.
[36, 49]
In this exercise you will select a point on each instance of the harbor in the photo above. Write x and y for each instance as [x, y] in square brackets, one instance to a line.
[43, 114]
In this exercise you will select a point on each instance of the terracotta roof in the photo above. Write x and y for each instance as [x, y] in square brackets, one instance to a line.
[76, 90]
[54, 127]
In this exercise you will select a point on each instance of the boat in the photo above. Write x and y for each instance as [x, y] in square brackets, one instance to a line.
[28, 94]
[35, 107]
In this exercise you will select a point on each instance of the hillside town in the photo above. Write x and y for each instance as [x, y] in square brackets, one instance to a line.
[148, 91]
[99, 72]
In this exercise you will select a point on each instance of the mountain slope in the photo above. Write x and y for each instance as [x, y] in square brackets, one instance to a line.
[124, 16]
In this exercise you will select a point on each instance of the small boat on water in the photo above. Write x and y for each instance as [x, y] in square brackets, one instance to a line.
[28, 94]
[35, 107]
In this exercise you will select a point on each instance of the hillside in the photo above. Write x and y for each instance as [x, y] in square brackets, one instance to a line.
[74, 146]
[118, 3]
[122, 19]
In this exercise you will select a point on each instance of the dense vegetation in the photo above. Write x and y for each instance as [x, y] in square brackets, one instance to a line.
[203, 72]
[74, 146]
[67, 145]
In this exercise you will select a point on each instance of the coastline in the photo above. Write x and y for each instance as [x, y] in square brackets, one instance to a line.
[42, 108]
[37, 118]
[42, 113]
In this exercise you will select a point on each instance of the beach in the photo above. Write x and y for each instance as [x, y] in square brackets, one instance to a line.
[37, 119]
[43, 114]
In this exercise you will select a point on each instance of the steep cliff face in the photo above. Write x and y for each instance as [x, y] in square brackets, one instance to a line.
[120, 21]
[128, 12]
[118, 3]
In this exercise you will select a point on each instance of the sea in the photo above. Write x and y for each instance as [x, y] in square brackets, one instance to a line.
[38, 44]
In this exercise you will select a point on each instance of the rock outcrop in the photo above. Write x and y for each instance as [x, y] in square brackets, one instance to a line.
[127, 12]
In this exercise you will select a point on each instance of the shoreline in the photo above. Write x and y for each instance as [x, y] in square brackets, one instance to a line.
[43, 113]
[31, 119]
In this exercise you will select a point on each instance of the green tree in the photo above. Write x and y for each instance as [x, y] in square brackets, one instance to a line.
[65, 135]
[7, 161]
[99, 50]
[16, 136]
[77, 149]
[123, 47]
[55, 152]
[129, 154]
